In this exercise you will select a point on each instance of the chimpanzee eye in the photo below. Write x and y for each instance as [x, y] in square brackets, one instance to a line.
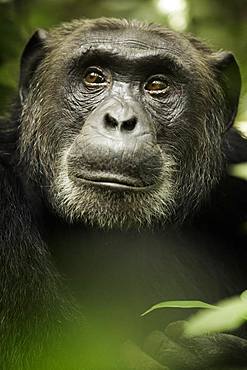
[94, 76]
[156, 85]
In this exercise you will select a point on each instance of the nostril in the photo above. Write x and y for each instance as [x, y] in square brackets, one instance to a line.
[109, 121]
[129, 125]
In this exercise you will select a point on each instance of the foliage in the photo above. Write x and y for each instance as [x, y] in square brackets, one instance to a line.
[179, 304]
[226, 315]
[239, 170]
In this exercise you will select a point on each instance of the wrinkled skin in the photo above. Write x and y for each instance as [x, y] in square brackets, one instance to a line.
[115, 196]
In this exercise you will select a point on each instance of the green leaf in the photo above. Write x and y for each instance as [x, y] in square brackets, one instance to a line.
[239, 170]
[231, 314]
[179, 304]
[243, 295]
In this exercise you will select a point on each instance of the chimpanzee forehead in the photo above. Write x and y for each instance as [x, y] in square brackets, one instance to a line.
[132, 42]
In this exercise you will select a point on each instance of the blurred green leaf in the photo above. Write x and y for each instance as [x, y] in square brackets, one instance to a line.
[230, 315]
[239, 170]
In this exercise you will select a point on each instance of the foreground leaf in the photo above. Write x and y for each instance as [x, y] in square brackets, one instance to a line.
[239, 170]
[179, 304]
[230, 315]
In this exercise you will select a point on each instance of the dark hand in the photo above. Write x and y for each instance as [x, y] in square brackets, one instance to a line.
[212, 352]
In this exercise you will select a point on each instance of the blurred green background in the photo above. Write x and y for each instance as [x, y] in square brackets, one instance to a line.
[221, 23]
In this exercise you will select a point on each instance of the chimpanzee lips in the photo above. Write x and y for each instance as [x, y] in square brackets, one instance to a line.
[111, 181]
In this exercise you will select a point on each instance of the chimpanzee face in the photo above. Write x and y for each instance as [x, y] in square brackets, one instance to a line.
[123, 124]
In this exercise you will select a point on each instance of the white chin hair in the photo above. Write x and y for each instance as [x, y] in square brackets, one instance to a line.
[108, 209]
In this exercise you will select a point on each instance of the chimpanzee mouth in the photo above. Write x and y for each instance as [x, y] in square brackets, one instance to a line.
[112, 181]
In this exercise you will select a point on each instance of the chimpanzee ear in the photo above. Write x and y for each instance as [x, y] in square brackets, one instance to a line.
[228, 75]
[30, 59]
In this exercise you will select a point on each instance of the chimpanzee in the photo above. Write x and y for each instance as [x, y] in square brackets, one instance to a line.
[115, 195]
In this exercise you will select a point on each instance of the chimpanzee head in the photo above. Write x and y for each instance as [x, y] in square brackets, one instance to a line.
[123, 123]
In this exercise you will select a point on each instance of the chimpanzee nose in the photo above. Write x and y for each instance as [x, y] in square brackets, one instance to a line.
[120, 119]
[111, 123]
